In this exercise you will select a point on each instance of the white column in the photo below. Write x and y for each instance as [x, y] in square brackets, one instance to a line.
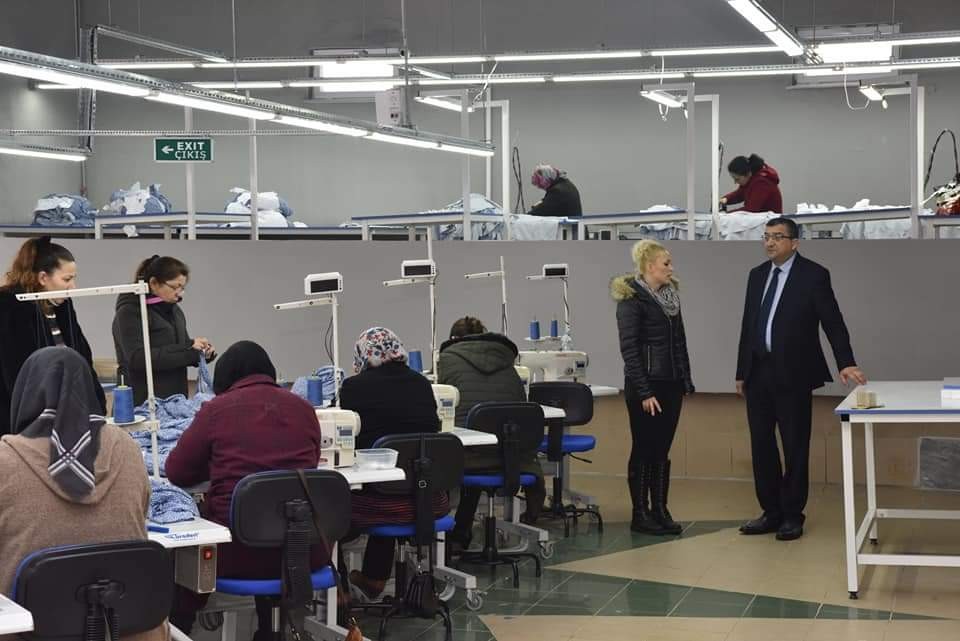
[465, 160]
[691, 163]
[917, 134]
[188, 170]
[254, 187]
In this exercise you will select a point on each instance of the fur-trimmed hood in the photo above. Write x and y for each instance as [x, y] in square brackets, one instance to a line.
[623, 287]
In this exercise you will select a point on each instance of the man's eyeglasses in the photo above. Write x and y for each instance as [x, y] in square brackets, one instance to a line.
[777, 237]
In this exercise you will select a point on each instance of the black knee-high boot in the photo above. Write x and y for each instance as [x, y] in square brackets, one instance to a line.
[642, 520]
[659, 490]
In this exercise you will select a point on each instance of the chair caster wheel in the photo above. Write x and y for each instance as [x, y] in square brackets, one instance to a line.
[854, 595]
[474, 600]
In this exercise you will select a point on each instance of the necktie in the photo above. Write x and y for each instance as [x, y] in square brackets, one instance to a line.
[765, 306]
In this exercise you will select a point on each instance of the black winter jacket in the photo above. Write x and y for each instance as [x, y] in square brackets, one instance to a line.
[652, 344]
[561, 199]
[24, 330]
[171, 347]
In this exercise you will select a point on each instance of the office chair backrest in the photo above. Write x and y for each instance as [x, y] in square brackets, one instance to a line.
[132, 581]
[575, 399]
[519, 429]
[258, 510]
[444, 450]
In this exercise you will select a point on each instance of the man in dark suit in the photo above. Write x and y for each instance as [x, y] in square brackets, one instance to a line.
[779, 364]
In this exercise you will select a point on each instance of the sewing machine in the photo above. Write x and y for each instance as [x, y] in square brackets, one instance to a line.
[338, 435]
[524, 374]
[555, 365]
[448, 397]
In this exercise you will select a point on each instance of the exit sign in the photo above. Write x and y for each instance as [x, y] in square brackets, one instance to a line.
[183, 149]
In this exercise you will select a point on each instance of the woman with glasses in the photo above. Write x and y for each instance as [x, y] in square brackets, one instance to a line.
[171, 347]
[758, 185]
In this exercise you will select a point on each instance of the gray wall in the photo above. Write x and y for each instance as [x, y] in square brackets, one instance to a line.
[612, 143]
[894, 295]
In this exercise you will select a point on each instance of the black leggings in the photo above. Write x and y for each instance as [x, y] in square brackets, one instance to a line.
[653, 435]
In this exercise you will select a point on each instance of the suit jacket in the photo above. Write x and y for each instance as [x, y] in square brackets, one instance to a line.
[806, 304]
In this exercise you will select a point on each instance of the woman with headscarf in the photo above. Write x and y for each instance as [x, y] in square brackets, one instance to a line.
[253, 425]
[66, 477]
[561, 198]
[390, 398]
[26, 326]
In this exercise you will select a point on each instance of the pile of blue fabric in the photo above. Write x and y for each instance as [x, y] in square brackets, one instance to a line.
[175, 415]
[170, 504]
[64, 210]
[325, 374]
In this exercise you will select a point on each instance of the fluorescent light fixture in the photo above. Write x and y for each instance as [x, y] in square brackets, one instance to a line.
[211, 105]
[240, 84]
[871, 93]
[484, 153]
[615, 75]
[318, 125]
[748, 73]
[261, 64]
[42, 152]
[712, 51]
[560, 56]
[449, 60]
[481, 80]
[356, 69]
[847, 52]
[341, 87]
[158, 64]
[443, 103]
[764, 22]
[848, 71]
[58, 77]
[430, 73]
[154, 43]
[662, 98]
[403, 140]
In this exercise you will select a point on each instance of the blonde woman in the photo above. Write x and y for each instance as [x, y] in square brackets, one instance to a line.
[657, 376]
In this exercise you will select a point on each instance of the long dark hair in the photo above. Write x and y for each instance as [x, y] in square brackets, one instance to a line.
[741, 165]
[35, 255]
[162, 268]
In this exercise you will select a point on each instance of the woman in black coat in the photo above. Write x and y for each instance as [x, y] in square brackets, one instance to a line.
[561, 197]
[657, 376]
[27, 326]
[171, 348]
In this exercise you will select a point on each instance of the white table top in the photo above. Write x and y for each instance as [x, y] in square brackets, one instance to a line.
[172, 217]
[604, 390]
[648, 216]
[424, 218]
[901, 397]
[357, 477]
[13, 618]
[189, 533]
[470, 438]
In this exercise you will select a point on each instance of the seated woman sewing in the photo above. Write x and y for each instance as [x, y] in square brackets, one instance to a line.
[252, 425]
[390, 398]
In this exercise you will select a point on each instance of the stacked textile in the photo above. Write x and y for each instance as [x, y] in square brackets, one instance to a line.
[272, 210]
[170, 504]
[129, 202]
[64, 210]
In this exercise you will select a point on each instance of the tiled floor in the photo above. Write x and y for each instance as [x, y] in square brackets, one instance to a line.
[710, 583]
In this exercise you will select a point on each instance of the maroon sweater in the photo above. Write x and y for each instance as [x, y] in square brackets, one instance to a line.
[761, 193]
[254, 426]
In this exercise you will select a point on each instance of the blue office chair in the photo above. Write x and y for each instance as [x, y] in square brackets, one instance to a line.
[275, 510]
[519, 430]
[82, 592]
[433, 464]
[576, 400]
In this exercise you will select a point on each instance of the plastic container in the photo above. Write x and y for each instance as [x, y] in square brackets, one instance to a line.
[377, 459]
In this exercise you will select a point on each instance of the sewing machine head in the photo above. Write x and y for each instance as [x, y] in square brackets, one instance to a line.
[448, 397]
[555, 365]
[338, 435]
[524, 374]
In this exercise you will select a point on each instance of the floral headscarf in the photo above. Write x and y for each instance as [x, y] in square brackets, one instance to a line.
[376, 346]
[544, 176]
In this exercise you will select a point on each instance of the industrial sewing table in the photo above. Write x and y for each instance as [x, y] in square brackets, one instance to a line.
[13, 618]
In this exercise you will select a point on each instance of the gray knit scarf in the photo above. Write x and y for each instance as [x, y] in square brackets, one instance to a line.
[667, 297]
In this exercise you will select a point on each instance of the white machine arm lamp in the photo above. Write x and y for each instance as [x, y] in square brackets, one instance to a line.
[502, 275]
[327, 299]
[416, 272]
[140, 289]
[561, 272]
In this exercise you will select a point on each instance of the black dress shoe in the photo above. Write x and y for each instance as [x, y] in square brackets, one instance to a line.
[765, 524]
[790, 531]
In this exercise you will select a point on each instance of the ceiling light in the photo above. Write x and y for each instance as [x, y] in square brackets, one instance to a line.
[934, 38]
[470, 151]
[662, 98]
[571, 55]
[403, 140]
[871, 93]
[599, 77]
[848, 71]
[318, 125]
[371, 87]
[430, 73]
[449, 60]
[712, 51]
[748, 73]
[356, 69]
[764, 22]
[839, 52]
[50, 75]
[158, 64]
[42, 152]
[211, 105]
[442, 103]
[240, 84]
